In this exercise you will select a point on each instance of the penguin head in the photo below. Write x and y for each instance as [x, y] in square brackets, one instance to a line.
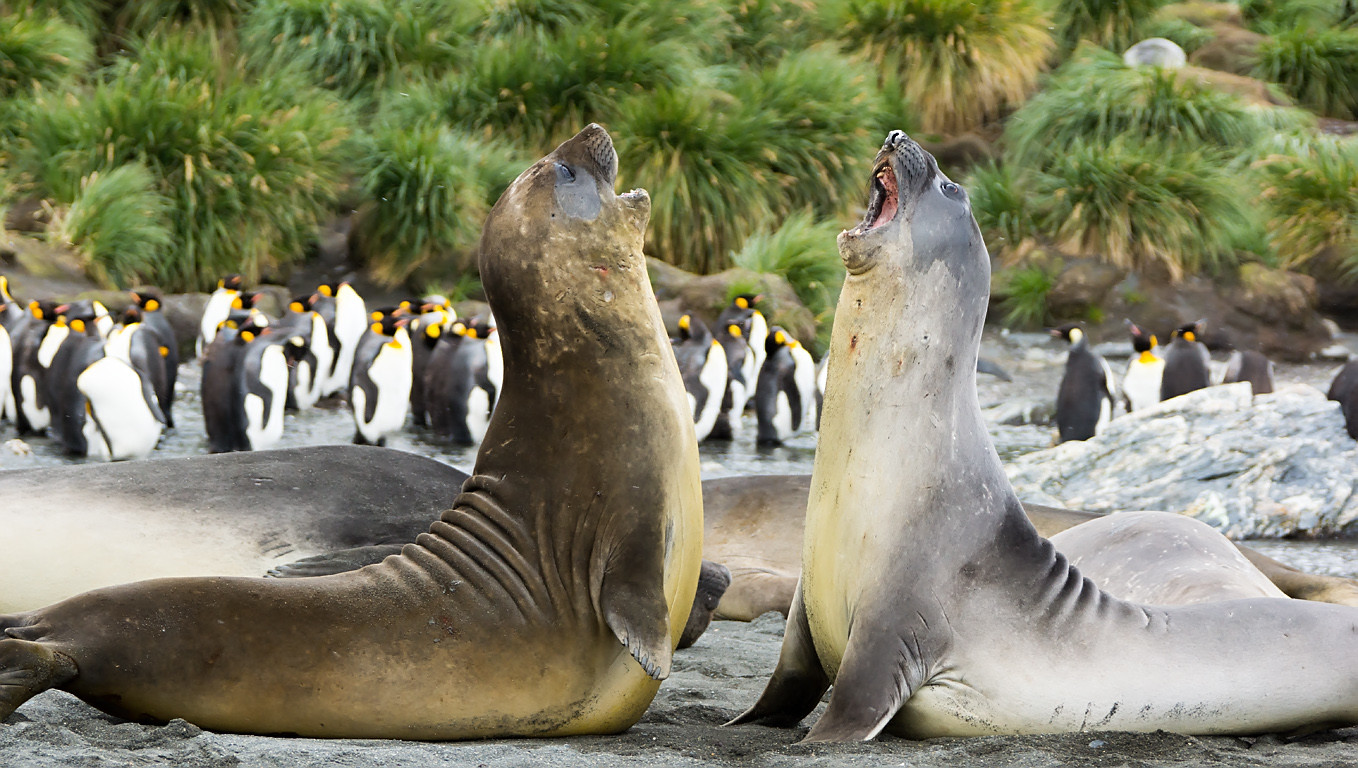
[147, 299]
[1190, 331]
[249, 329]
[246, 299]
[746, 300]
[326, 289]
[1071, 332]
[435, 302]
[294, 349]
[43, 310]
[133, 315]
[231, 282]
[429, 329]
[1142, 340]
[480, 328]
[303, 303]
[777, 339]
[386, 324]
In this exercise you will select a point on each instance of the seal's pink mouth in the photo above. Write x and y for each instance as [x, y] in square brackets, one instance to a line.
[883, 198]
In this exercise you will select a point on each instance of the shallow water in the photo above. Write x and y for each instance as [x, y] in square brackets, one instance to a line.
[1036, 369]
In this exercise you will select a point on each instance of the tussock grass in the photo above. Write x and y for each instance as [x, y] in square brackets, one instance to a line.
[1022, 293]
[119, 224]
[430, 189]
[1095, 98]
[1185, 34]
[804, 251]
[39, 52]
[765, 30]
[351, 46]
[1310, 197]
[250, 163]
[1113, 24]
[1003, 209]
[960, 62]
[1317, 67]
[1151, 207]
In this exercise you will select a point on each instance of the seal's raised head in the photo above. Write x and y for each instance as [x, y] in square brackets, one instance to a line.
[916, 216]
[558, 220]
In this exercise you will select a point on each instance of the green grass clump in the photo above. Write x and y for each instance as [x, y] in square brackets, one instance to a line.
[250, 162]
[1317, 67]
[1112, 24]
[430, 189]
[39, 52]
[1003, 209]
[143, 17]
[704, 165]
[1271, 16]
[804, 251]
[1022, 294]
[1183, 33]
[119, 224]
[765, 30]
[960, 62]
[1095, 98]
[1149, 207]
[1310, 198]
[351, 46]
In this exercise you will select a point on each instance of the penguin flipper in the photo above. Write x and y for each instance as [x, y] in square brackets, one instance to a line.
[338, 561]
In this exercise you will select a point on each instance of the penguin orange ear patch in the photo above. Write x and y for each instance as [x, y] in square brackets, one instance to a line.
[164, 351]
[734, 330]
[152, 305]
[296, 306]
[684, 322]
[247, 336]
[236, 303]
[433, 330]
[779, 338]
[742, 303]
[1190, 336]
[376, 328]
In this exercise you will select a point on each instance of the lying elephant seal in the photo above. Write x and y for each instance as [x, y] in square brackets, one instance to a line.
[753, 526]
[546, 601]
[929, 601]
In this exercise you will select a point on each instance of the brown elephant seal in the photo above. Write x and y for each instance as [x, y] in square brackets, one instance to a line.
[546, 601]
[754, 526]
[928, 600]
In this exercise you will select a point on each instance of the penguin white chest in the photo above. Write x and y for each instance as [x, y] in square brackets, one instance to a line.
[121, 423]
[264, 428]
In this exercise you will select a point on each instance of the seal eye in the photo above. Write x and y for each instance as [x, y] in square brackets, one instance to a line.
[564, 174]
[950, 189]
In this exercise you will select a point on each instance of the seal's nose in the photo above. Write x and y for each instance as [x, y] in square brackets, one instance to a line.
[895, 139]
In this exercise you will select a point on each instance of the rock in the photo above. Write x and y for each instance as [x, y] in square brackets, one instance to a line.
[1256, 93]
[185, 312]
[1155, 52]
[1233, 50]
[1084, 284]
[1204, 14]
[1268, 466]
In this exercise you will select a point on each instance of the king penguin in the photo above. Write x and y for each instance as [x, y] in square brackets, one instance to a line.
[11, 315]
[262, 383]
[307, 377]
[1344, 389]
[379, 390]
[732, 337]
[1250, 366]
[28, 379]
[785, 393]
[216, 311]
[1084, 401]
[145, 350]
[123, 418]
[222, 415]
[462, 382]
[1141, 384]
[77, 345]
[1185, 362]
[703, 367]
[155, 323]
[350, 324]
[425, 330]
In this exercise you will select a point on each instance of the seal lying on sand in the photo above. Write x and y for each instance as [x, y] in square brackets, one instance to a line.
[929, 601]
[547, 601]
[753, 525]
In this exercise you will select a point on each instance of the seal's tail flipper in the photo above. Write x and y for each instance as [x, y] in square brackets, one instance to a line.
[339, 561]
[798, 681]
[28, 668]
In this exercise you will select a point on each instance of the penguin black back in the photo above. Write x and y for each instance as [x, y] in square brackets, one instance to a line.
[160, 337]
[1084, 400]
[1251, 366]
[1344, 388]
[1185, 362]
[777, 401]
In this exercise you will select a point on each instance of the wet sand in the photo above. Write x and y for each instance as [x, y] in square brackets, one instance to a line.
[711, 682]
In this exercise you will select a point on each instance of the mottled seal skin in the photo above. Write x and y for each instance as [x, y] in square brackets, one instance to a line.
[929, 601]
[546, 601]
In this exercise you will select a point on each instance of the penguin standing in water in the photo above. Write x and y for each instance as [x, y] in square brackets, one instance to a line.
[462, 381]
[145, 350]
[154, 322]
[379, 392]
[742, 312]
[223, 416]
[28, 381]
[77, 346]
[785, 393]
[1185, 362]
[215, 313]
[703, 366]
[262, 383]
[348, 328]
[1141, 384]
[732, 338]
[1084, 401]
[123, 419]
[425, 330]
[1250, 366]
[1344, 389]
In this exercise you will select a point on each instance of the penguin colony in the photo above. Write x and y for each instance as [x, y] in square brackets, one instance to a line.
[1088, 393]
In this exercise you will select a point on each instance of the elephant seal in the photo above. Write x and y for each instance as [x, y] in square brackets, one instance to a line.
[929, 601]
[546, 601]
[754, 526]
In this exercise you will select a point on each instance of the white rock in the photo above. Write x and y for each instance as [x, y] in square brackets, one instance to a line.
[1155, 52]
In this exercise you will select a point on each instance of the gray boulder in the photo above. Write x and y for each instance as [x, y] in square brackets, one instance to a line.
[1155, 52]
[1252, 467]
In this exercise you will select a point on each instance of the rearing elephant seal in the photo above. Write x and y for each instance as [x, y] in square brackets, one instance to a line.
[547, 601]
[927, 598]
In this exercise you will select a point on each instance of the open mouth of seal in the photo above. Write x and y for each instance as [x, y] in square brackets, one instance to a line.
[883, 197]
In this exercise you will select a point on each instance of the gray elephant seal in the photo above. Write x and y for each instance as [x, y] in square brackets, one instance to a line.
[546, 601]
[929, 601]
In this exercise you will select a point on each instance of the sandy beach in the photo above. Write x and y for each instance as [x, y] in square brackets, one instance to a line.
[711, 683]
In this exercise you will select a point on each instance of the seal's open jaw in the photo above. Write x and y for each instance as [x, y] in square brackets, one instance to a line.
[883, 196]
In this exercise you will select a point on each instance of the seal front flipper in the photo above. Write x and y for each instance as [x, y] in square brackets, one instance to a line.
[339, 561]
[636, 610]
[28, 668]
[798, 681]
[878, 674]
